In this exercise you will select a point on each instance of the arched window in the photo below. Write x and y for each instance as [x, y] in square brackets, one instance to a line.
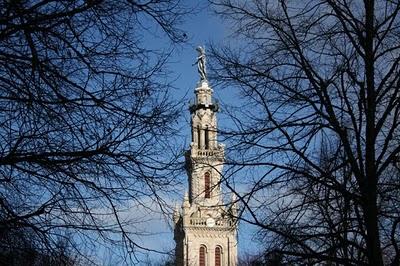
[207, 185]
[218, 256]
[202, 256]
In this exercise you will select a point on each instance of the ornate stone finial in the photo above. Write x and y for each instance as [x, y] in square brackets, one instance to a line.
[176, 214]
[185, 203]
[234, 206]
[201, 63]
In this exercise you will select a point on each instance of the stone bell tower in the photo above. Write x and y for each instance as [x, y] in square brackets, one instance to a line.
[205, 228]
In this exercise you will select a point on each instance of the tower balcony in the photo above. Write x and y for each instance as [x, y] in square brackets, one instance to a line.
[207, 153]
[213, 106]
[215, 153]
[219, 223]
[200, 157]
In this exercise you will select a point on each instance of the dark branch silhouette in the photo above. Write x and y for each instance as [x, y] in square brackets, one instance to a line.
[317, 138]
[86, 118]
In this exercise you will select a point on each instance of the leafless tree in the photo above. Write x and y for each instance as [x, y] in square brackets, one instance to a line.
[250, 260]
[320, 127]
[20, 248]
[85, 117]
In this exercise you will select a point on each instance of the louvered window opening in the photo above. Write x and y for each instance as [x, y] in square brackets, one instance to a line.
[217, 256]
[207, 188]
[202, 256]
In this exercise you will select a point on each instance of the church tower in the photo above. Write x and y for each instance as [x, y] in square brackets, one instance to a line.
[205, 228]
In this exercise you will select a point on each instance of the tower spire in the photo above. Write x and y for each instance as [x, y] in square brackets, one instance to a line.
[205, 229]
[206, 155]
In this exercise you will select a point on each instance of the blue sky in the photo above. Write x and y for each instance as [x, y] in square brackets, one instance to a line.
[202, 28]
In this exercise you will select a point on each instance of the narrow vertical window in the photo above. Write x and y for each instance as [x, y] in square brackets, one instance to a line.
[198, 137]
[207, 185]
[202, 256]
[192, 131]
[218, 256]
[206, 138]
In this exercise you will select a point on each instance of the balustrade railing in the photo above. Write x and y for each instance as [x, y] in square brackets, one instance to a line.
[205, 153]
[218, 223]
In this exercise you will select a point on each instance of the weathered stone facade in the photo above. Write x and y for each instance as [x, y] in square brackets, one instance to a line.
[205, 230]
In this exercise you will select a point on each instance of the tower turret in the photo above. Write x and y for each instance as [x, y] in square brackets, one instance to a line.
[205, 158]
